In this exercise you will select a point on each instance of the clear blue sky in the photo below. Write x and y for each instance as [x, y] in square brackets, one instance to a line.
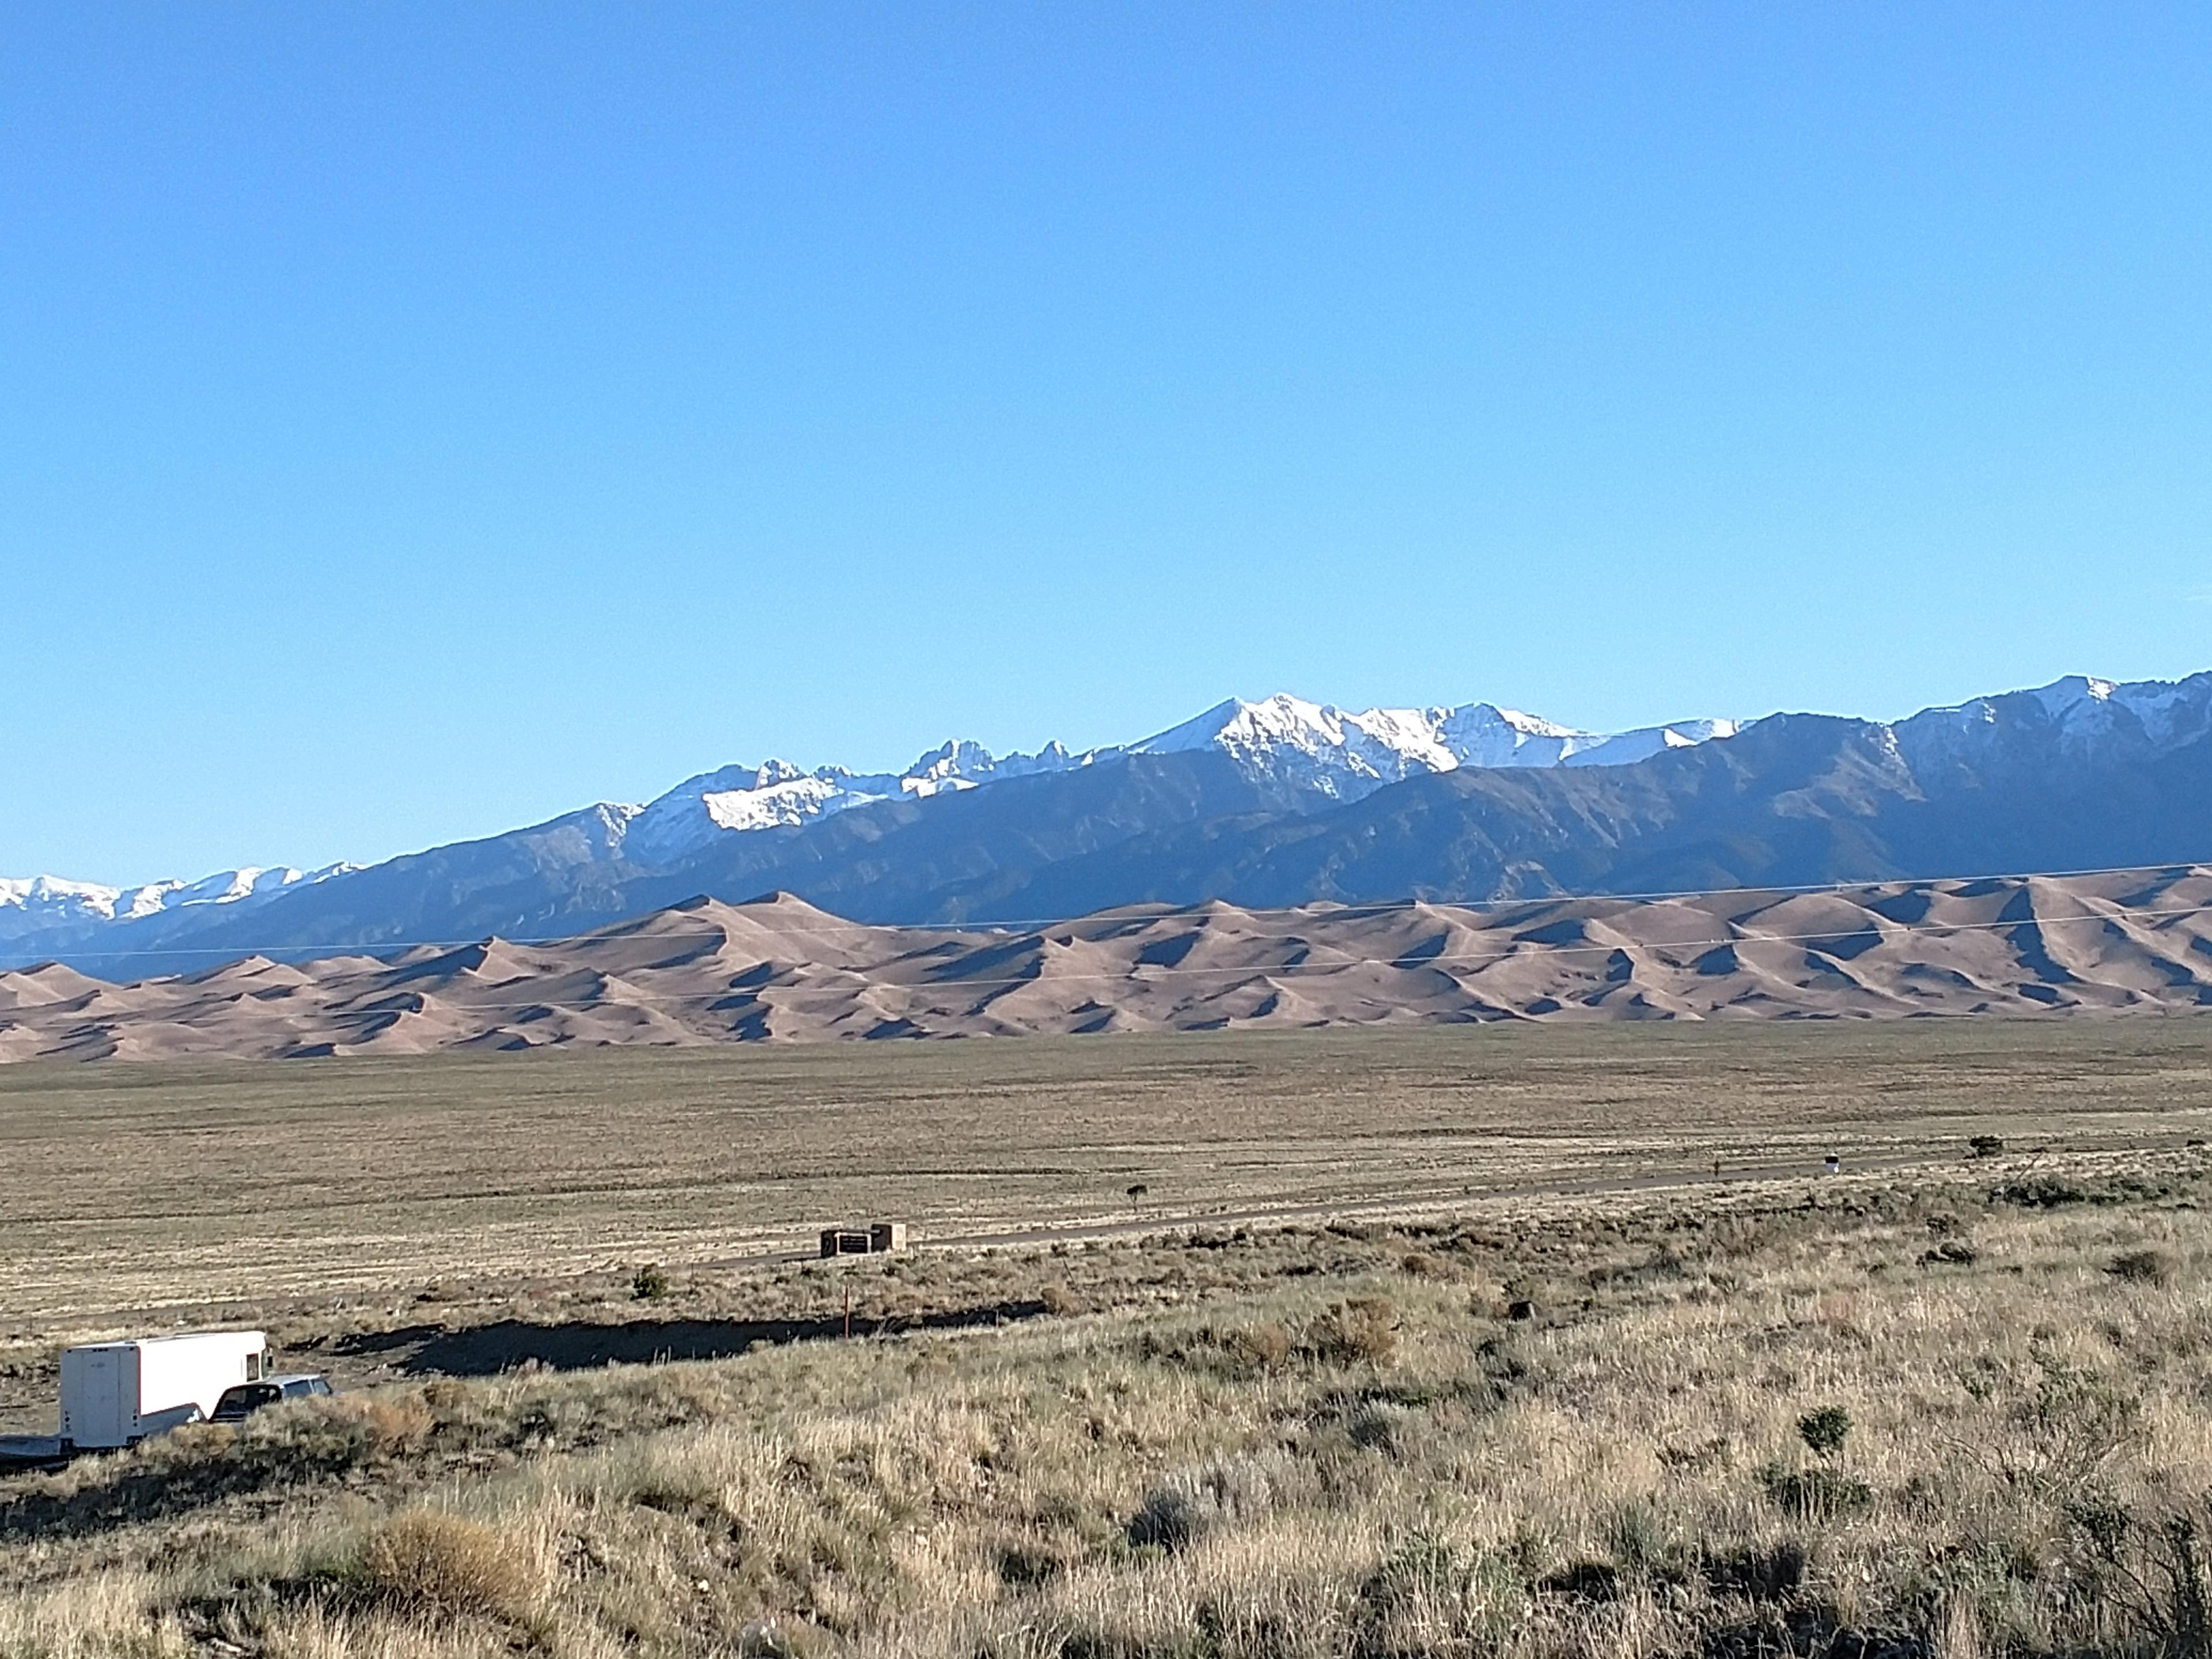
[420, 421]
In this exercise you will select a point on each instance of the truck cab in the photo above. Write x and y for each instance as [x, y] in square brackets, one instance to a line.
[241, 1400]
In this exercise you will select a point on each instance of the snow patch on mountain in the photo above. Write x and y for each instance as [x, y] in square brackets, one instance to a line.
[777, 795]
[2144, 718]
[33, 903]
[1346, 756]
[1326, 754]
[62, 900]
[1337, 755]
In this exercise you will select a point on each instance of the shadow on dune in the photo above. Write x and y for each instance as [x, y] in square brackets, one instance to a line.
[487, 1349]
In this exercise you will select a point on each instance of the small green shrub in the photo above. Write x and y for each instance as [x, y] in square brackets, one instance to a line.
[649, 1283]
[1638, 1539]
[1824, 1430]
[1192, 1502]
[1816, 1494]
[2142, 1266]
[1027, 1567]
[1422, 1568]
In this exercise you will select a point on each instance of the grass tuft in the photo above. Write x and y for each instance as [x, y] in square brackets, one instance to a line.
[431, 1562]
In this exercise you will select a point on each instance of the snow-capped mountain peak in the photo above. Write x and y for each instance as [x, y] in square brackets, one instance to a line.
[1347, 755]
[37, 904]
[2148, 715]
[1296, 756]
[1314, 748]
[51, 895]
[1344, 754]
[777, 795]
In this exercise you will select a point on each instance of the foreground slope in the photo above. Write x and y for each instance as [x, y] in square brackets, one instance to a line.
[1953, 1412]
[781, 968]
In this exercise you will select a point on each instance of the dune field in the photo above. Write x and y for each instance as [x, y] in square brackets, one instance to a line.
[778, 969]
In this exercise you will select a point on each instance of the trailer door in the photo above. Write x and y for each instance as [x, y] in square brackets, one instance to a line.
[106, 1402]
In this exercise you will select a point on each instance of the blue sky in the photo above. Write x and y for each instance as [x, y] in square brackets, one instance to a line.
[422, 421]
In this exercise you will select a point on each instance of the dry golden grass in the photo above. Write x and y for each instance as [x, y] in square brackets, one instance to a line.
[1338, 1452]
[432, 1562]
[1314, 1435]
[186, 1193]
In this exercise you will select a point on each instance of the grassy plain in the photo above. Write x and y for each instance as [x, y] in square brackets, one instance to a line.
[133, 1191]
[1288, 1411]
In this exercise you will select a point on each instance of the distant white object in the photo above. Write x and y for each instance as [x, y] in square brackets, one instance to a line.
[114, 1394]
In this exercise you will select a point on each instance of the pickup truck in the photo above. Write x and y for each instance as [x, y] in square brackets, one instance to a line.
[241, 1400]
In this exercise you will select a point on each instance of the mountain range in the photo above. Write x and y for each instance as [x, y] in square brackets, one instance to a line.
[1280, 802]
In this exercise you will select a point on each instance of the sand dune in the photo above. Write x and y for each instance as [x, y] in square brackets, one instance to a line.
[778, 970]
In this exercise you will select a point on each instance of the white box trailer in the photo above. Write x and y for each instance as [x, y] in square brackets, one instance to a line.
[116, 1393]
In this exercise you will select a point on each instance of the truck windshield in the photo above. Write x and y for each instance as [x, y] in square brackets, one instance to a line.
[244, 1397]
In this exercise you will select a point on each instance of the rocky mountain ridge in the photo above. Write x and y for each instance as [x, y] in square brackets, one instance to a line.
[1274, 803]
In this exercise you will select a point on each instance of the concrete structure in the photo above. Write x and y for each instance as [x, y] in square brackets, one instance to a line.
[877, 1238]
[116, 1393]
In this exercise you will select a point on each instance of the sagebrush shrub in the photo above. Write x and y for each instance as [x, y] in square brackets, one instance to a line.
[1361, 1330]
[2064, 1428]
[1824, 1430]
[398, 1425]
[2142, 1266]
[1819, 1493]
[1194, 1502]
[1638, 1538]
[436, 1562]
